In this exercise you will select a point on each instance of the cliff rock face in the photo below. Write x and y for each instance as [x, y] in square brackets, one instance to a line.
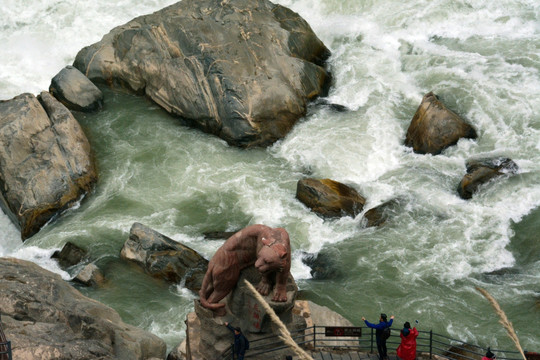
[45, 160]
[45, 318]
[243, 70]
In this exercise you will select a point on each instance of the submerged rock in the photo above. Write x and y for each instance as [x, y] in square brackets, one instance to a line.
[164, 258]
[481, 171]
[45, 162]
[75, 90]
[378, 215]
[45, 318]
[219, 235]
[329, 198]
[70, 255]
[463, 352]
[241, 70]
[434, 127]
[324, 265]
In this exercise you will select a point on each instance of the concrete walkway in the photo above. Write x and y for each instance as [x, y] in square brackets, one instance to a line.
[351, 355]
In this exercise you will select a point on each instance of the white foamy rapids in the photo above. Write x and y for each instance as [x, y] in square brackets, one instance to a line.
[39, 40]
[10, 237]
[42, 257]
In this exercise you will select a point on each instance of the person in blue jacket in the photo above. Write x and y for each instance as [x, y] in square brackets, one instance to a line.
[379, 334]
[240, 341]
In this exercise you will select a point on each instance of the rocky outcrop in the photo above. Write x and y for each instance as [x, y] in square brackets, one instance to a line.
[329, 198]
[164, 258]
[434, 127]
[45, 318]
[45, 162]
[482, 171]
[243, 70]
[75, 90]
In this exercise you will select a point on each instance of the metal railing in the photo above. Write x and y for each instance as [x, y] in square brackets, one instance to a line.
[5, 346]
[428, 345]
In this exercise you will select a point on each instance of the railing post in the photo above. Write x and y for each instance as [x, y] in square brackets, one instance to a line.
[430, 343]
[10, 357]
[371, 345]
[314, 336]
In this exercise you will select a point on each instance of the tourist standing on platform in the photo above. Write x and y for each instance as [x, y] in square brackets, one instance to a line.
[407, 349]
[241, 343]
[489, 355]
[381, 334]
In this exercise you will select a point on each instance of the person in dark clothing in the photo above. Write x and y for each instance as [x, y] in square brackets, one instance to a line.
[239, 348]
[489, 355]
[379, 336]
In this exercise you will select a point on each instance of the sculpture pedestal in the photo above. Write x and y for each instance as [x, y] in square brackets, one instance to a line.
[207, 337]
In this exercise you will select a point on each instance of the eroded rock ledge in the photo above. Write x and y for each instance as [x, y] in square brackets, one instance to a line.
[45, 318]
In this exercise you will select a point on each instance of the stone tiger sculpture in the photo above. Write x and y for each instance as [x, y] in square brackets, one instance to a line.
[265, 247]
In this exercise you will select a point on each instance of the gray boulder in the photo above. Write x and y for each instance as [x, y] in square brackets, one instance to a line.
[164, 258]
[434, 127]
[46, 318]
[329, 198]
[481, 171]
[75, 90]
[90, 275]
[243, 70]
[45, 160]
[70, 255]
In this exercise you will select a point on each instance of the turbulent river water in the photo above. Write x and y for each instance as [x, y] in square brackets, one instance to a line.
[482, 58]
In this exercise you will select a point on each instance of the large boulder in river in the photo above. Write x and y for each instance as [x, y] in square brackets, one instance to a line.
[481, 171]
[164, 258]
[329, 198]
[75, 90]
[45, 318]
[45, 160]
[435, 127]
[243, 70]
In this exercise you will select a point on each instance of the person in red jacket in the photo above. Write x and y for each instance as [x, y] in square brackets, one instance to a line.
[407, 349]
[489, 355]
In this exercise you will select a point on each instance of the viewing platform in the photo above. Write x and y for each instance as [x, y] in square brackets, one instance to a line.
[317, 342]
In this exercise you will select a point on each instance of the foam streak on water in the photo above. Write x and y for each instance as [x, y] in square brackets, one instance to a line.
[481, 58]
